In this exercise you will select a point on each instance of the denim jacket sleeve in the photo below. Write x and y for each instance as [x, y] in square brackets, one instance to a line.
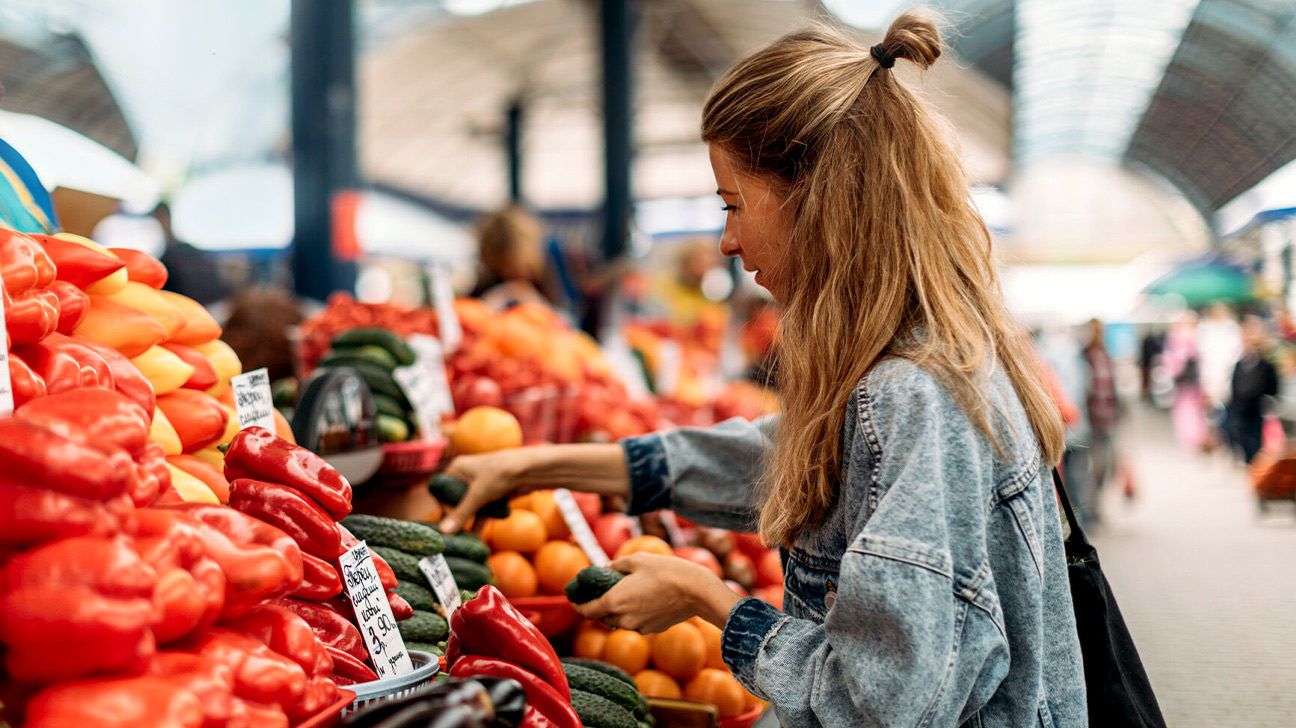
[901, 644]
[708, 475]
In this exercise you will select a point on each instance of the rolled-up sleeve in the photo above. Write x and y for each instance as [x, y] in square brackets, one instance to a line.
[707, 475]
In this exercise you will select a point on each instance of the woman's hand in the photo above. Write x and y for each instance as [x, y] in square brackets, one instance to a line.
[489, 477]
[658, 592]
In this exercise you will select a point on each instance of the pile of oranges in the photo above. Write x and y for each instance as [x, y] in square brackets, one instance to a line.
[530, 550]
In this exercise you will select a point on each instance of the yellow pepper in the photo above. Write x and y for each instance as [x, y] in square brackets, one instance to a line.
[166, 371]
[153, 303]
[191, 489]
[163, 433]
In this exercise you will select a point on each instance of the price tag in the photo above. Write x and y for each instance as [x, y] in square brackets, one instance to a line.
[673, 530]
[363, 588]
[425, 386]
[670, 360]
[253, 401]
[6, 386]
[437, 572]
[579, 527]
[443, 301]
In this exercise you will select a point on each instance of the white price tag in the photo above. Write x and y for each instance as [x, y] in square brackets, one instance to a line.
[670, 360]
[437, 572]
[673, 530]
[579, 527]
[443, 301]
[377, 625]
[6, 386]
[425, 385]
[253, 401]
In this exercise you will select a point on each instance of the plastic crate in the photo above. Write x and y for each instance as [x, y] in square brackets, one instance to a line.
[426, 666]
[553, 615]
[329, 717]
[746, 720]
[410, 462]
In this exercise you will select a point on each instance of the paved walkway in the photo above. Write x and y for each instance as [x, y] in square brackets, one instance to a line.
[1207, 586]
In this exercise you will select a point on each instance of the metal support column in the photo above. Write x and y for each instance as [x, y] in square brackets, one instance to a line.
[617, 34]
[513, 149]
[323, 139]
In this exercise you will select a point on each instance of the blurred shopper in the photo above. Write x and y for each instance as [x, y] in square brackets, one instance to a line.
[510, 246]
[908, 476]
[1219, 345]
[681, 293]
[1188, 410]
[1254, 380]
[1103, 408]
[190, 271]
[1062, 353]
[1150, 349]
[1285, 407]
[258, 330]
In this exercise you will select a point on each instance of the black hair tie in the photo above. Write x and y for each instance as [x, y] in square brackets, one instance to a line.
[880, 55]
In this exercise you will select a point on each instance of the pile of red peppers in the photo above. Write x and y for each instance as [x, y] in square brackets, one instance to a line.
[489, 637]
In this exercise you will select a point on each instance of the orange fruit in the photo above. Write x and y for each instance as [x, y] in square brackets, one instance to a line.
[718, 688]
[657, 684]
[521, 531]
[543, 504]
[485, 429]
[711, 638]
[590, 642]
[514, 575]
[752, 702]
[557, 563]
[645, 544]
[627, 650]
[522, 502]
[680, 651]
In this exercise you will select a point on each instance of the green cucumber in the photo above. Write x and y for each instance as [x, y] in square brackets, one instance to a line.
[424, 627]
[596, 711]
[411, 537]
[449, 489]
[391, 429]
[383, 338]
[601, 684]
[375, 354]
[429, 647]
[417, 595]
[602, 667]
[466, 546]
[404, 565]
[591, 583]
[390, 406]
[469, 575]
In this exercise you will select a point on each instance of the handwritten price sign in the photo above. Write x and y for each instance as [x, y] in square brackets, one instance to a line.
[252, 400]
[377, 625]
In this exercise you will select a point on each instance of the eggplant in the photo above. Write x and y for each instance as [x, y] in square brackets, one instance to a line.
[508, 698]
[432, 700]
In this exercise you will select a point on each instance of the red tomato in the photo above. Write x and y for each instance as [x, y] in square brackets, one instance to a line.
[590, 505]
[699, 555]
[737, 588]
[770, 595]
[611, 530]
[750, 544]
[473, 391]
[741, 569]
[769, 569]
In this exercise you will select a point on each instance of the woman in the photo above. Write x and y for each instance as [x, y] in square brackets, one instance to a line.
[908, 479]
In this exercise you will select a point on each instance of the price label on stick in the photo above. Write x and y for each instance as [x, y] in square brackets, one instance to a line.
[252, 399]
[580, 528]
[6, 385]
[443, 301]
[377, 625]
[425, 385]
[437, 572]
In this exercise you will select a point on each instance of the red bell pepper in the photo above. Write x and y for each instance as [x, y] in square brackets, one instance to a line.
[33, 515]
[320, 580]
[246, 714]
[142, 267]
[190, 593]
[36, 456]
[127, 379]
[26, 385]
[97, 417]
[285, 632]
[131, 702]
[401, 609]
[540, 694]
[260, 561]
[489, 625]
[152, 477]
[65, 362]
[124, 328]
[260, 674]
[204, 376]
[204, 471]
[78, 264]
[74, 303]
[320, 693]
[386, 576]
[198, 419]
[256, 453]
[347, 670]
[24, 265]
[211, 682]
[290, 511]
[31, 316]
[331, 627]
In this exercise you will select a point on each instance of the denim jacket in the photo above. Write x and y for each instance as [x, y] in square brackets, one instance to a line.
[934, 594]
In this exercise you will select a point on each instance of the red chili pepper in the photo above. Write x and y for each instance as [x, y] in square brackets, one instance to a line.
[260, 561]
[256, 453]
[541, 695]
[127, 379]
[24, 382]
[33, 515]
[24, 265]
[94, 416]
[287, 509]
[332, 628]
[142, 267]
[190, 593]
[78, 264]
[204, 376]
[211, 682]
[285, 632]
[31, 315]
[401, 609]
[131, 702]
[490, 625]
[152, 478]
[260, 674]
[198, 419]
[320, 580]
[74, 303]
[204, 471]
[347, 670]
[36, 456]
[535, 719]
[386, 576]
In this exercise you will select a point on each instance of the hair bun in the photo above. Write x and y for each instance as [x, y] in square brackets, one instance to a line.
[914, 37]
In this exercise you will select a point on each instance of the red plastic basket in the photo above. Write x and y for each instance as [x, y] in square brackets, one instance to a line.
[329, 717]
[553, 615]
[746, 720]
[411, 461]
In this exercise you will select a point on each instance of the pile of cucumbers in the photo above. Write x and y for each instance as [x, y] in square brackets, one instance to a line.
[604, 696]
[402, 544]
[374, 354]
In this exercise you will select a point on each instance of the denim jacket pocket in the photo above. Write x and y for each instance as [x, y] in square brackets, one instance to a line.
[1045, 715]
[907, 552]
[1021, 512]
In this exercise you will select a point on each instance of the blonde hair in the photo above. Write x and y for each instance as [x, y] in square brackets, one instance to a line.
[891, 258]
[509, 244]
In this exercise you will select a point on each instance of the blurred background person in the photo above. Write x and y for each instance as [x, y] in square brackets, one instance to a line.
[258, 330]
[1060, 351]
[1150, 348]
[1254, 381]
[510, 246]
[681, 291]
[1285, 404]
[1103, 410]
[191, 272]
[1219, 345]
[1188, 408]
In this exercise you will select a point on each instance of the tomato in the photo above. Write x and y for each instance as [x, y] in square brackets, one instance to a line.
[476, 391]
[612, 530]
[739, 568]
[769, 569]
[701, 556]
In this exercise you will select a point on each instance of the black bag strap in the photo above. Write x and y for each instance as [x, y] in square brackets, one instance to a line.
[1077, 534]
